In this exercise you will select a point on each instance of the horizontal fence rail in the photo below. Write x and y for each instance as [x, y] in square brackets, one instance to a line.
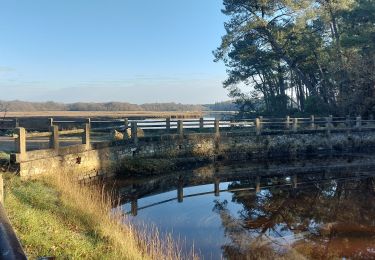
[100, 130]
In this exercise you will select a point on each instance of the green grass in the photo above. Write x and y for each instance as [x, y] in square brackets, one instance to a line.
[48, 227]
[4, 156]
[56, 216]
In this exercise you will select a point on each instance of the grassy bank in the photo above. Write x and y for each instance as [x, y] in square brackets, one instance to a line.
[55, 216]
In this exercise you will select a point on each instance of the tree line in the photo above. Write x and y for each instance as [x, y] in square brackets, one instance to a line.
[300, 57]
[23, 106]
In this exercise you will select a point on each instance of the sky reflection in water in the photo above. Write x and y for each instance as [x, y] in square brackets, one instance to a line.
[325, 216]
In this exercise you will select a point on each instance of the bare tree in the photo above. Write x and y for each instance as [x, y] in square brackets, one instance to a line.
[3, 113]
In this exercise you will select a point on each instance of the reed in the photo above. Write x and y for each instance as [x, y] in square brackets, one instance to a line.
[56, 216]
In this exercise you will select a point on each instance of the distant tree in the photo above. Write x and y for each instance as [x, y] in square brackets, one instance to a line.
[222, 106]
[91, 106]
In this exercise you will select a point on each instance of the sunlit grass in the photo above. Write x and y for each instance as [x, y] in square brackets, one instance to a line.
[4, 155]
[55, 216]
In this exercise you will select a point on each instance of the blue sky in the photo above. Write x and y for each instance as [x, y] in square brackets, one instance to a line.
[111, 50]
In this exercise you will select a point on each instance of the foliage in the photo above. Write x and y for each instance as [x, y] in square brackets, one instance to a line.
[309, 55]
[222, 106]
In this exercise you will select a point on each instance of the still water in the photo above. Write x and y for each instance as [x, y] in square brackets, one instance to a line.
[317, 209]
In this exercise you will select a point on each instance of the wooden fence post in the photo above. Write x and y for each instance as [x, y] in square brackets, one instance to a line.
[54, 138]
[217, 187]
[295, 181]
[180, 191]
[168, 124]
[231, 124]
[86, 136]
[201, 123]
[134, 206]
[331, 121]
[328, 125]
[358, 122]
[312, 122]
[134, 132]
[180, 128]
[88, 121]
[217, 127]
[20, 142]
[126, 127]
[347, 121]
[257, 184]
[287, 123]
[295, 124]
[258, 126]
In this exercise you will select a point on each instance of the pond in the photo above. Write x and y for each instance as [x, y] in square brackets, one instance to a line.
[319, 209]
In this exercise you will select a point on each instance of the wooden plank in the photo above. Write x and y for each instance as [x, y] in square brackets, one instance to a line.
[72, 132]
[41, 134]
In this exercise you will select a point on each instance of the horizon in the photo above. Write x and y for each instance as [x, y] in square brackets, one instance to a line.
[92, 51]
[108, 102]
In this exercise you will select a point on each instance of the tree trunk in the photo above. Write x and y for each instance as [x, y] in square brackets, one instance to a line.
[278, 49]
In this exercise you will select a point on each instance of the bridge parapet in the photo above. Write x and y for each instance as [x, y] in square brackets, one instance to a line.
[167, 136]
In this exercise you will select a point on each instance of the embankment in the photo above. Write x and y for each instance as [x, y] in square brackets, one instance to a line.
[57, 217]
[170, 152]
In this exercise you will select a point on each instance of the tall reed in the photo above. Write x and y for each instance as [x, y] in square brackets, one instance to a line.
[96, 204]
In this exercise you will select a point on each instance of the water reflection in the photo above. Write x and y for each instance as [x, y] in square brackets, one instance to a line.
[236, 213]
[320, 220]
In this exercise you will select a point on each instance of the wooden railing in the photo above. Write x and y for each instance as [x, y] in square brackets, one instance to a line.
[21, 137]
[257, 126]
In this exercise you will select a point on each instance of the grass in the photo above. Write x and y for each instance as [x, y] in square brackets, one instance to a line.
[4, 156]
[4, 161]
[55, 216]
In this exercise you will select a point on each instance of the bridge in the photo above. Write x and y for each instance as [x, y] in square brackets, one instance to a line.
[87, 147]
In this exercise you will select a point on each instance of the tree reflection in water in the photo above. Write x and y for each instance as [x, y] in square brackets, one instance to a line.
[324, 220]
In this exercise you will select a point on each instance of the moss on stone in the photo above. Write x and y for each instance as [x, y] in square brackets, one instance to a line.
[155, 166]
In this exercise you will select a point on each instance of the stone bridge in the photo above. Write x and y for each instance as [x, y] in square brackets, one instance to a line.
[98, 154]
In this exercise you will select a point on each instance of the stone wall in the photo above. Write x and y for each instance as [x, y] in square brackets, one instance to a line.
[100, 159]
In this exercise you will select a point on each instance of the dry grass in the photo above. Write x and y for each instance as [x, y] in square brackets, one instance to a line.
[56, 216]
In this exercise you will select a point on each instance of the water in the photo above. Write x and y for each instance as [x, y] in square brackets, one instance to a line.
[315, 209]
